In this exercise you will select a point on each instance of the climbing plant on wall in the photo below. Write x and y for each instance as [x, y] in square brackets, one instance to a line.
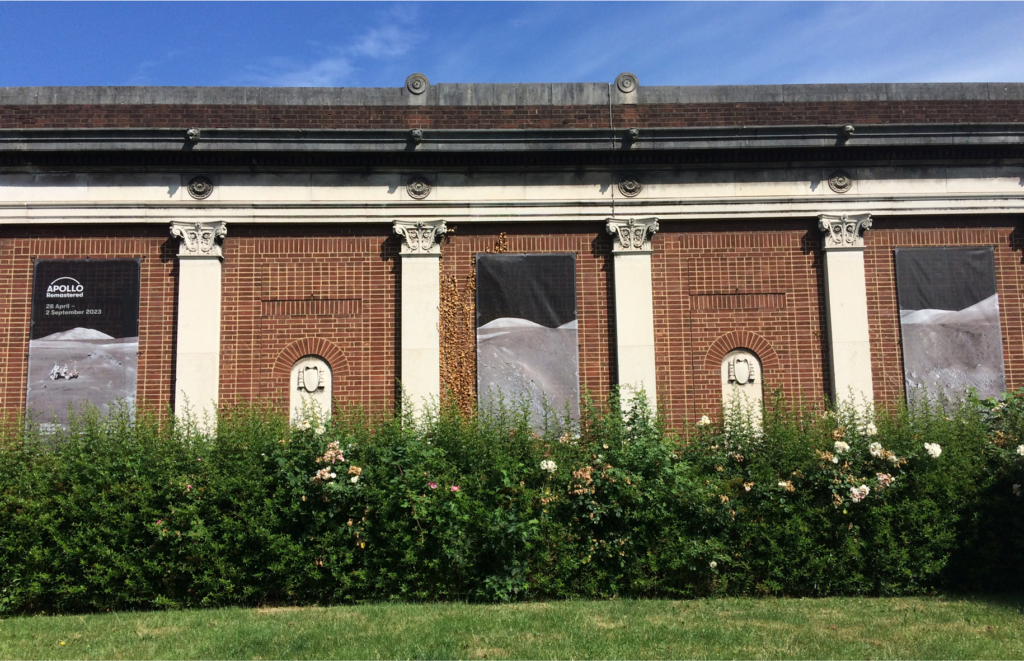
[458, 334]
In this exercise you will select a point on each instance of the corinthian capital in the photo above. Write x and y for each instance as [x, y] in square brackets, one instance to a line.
[199, 239]
[633, 234]
[844, 231]
[421, 237]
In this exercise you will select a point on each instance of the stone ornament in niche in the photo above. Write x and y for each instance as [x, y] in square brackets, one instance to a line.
[840, 182]
[310, 379]
[310, 388]
[742, 371]
[418, 188]
[742, 387]
[200, 187]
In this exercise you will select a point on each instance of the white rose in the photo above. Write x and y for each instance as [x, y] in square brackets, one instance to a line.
[1020, 450]
[933, 449]
[704, 421]
[841, 447]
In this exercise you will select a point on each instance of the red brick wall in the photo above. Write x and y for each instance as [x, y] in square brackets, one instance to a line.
[288, 291]
[595, 314]
[509, 117]
[717, 286]
[720, 286]
[883, 308]
[18, 248]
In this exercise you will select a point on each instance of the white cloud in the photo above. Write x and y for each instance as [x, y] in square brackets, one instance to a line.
[337, 66]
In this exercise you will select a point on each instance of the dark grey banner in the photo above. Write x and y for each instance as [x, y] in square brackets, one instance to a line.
[84, 342]
[527, 338]
[949, 320]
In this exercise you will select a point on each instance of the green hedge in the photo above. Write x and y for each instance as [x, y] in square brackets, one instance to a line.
[121, 513]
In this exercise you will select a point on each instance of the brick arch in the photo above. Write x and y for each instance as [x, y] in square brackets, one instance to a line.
[310, 346]
[741, 340]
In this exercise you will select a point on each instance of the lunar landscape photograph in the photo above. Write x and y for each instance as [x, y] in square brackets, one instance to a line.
[949, 320]
[84, 347]
[77, 366]
[527, 338]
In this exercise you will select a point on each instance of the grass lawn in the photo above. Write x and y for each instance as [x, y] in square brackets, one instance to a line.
[714, 628]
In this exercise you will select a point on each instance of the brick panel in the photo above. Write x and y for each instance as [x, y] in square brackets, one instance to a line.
[721, 286]
[324, 290]
[18, 248]
[508, 117]
[883, 306]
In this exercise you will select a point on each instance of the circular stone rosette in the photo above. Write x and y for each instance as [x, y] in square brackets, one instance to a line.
[840, 182]
[418, 188]
[417, 83]
[200, 187]
[630, 187]
[626, 82]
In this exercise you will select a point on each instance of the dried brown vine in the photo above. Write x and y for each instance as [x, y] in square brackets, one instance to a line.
[458, 334]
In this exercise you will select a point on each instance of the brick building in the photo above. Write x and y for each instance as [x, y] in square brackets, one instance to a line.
[273, 226]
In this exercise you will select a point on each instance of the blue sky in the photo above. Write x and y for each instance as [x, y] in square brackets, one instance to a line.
[379, 44]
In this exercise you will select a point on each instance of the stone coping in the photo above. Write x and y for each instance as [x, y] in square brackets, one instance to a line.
[509, 94]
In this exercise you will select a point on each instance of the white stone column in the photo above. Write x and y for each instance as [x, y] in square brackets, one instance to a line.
[846, 306]
[421, 300]
[634, 305]
[197, 364]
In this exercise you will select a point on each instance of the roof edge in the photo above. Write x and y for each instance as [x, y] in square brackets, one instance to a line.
[509, 94]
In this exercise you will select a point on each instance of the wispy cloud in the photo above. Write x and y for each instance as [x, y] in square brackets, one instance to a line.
[333, 66]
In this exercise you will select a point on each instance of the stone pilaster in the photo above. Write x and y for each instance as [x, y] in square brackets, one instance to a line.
[421, 299]
[634, 305]
[197, 363]
[846, 306]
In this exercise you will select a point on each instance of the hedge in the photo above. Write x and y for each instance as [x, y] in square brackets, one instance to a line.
[134, 511]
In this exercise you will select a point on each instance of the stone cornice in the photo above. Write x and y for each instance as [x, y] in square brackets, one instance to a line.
[844, 231]
[199, 239]
[631, 235]
[420, 238]
[387, 141]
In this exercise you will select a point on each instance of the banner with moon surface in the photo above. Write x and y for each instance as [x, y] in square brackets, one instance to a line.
[527, 337]
[949, 321]
[84, 342]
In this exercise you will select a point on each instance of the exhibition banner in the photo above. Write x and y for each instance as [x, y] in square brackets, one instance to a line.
[949, 320]
[84, 342]
[527, 340]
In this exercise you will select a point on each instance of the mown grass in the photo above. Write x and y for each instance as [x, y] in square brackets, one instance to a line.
[928, 628]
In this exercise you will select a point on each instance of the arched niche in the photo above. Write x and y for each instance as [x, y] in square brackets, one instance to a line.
[309, 387]
[743, 383]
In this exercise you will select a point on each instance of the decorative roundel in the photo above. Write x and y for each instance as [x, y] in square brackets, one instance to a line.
[417, 83]
[630, 187]
[626, 82]
[840, 182]
[200, 187]
[418, 188]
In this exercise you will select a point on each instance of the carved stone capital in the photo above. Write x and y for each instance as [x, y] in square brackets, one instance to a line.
[199, 239]
[632, 234]
[421, 237]
[845, 231]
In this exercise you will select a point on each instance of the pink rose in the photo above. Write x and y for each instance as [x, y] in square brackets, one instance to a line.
[432, 485]
[455, 487]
